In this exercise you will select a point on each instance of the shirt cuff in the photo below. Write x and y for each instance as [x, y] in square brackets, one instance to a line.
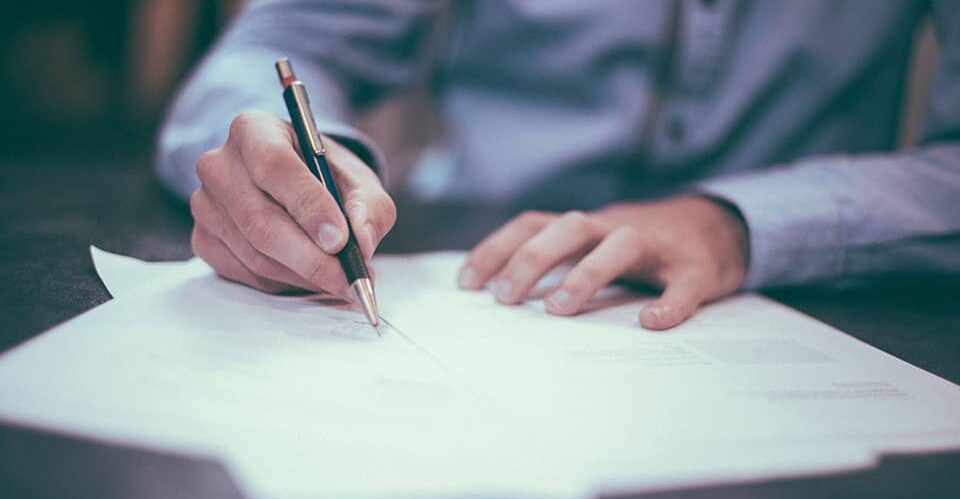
[794, 224]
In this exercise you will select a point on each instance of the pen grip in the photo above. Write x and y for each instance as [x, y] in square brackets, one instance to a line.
[351, 259]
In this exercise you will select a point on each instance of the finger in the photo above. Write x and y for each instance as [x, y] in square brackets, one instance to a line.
[681, 297]
[372, 214]
[370, 210]
[622, 251]
[215, 252]
[266, 147]
[266, 225]
[564, 237]
[488, 257]
[213, 218]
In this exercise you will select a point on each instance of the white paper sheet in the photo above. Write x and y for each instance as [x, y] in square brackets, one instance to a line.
[301, 399]
[123, 274]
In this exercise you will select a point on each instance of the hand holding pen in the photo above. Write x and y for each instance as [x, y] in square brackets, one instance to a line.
[263, 219]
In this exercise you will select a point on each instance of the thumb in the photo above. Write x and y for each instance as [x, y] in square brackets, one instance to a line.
[680, 299]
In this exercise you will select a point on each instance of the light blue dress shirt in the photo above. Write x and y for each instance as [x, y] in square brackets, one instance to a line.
[787, 109]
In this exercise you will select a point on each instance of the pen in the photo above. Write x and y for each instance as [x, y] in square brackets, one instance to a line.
[314, 155]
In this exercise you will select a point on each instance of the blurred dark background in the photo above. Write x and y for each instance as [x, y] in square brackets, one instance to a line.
[83, 90]
[95, 75]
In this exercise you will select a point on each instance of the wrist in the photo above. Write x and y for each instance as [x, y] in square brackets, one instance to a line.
[731, 235]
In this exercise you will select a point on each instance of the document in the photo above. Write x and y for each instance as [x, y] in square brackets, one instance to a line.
[461, 396]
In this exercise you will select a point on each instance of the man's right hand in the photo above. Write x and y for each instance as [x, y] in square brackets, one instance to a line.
[262, 219]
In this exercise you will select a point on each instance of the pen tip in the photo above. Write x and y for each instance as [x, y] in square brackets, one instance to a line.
[368, 302]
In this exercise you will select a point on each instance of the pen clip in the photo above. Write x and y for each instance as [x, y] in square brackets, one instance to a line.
[301, 102]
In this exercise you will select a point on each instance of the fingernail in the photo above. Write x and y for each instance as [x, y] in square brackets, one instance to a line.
[559, 301]
[655, 316]
[502, 289]
[329, 236]
[656, 311]
[468, 278]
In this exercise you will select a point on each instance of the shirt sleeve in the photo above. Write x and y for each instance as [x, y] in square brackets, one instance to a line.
[851, 218]
[348, 53]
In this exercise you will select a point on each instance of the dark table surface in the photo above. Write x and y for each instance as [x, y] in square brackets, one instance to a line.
[51, 211]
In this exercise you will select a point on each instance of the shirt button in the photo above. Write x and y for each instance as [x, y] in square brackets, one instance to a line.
[676, 129]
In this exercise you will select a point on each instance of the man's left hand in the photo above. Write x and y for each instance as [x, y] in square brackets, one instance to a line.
[695, 248]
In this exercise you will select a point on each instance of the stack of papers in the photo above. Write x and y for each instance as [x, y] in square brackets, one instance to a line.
[464, 397]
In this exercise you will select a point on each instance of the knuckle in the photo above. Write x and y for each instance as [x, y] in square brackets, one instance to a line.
[263, 150]
[388, 210]
[627, 237]
[530, 256]
[196, 209]
[243, 123]
[259, 157]
[306, 203]
[259, 264]
[258, 228]
[353, 204]
[577, 221]
[257, 143]
[207, 165]
[531, 218]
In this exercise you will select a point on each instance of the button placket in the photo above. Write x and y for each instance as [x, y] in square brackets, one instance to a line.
[704, 28]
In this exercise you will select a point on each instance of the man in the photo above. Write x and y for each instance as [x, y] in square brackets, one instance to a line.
[712, 145]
